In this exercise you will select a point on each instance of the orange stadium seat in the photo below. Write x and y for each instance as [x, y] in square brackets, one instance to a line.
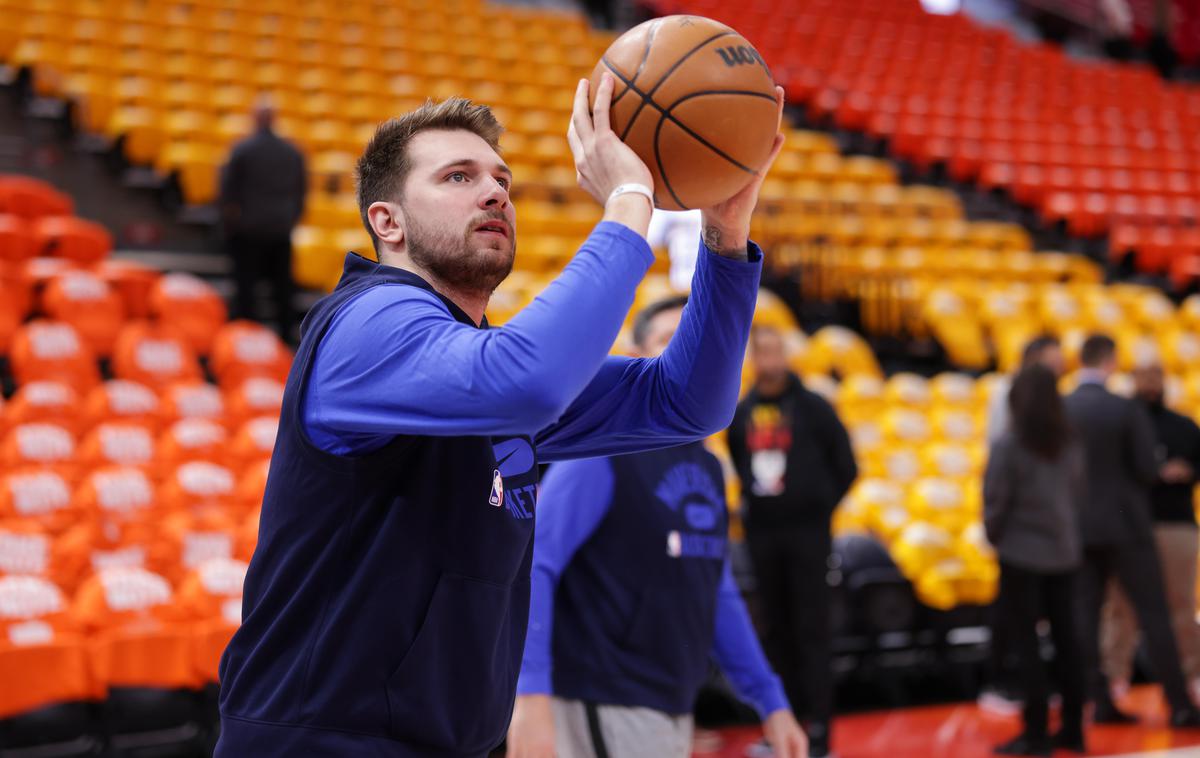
[193, 439]
[32, 198]
[74, 239]
[254, 441]
[252, 485]
[86, 302]
[190, 305]
[211, 596]
[97, 544]
[117, 443]
[25, 548]
[52, 402]
[52, 351]
[17, 243]
[202, 536]
[155, 354]
[256, 396]
[197, 487]
[192, 399]
[116, 493]
[137, 636]
[39, 495]
[40, 647]
[244, 349]
[132, 281]
[123, 401]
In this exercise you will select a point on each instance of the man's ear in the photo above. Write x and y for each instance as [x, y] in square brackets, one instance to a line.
[387, 221]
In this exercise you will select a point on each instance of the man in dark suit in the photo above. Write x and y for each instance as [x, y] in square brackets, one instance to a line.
[262, 198]
[1117, 530]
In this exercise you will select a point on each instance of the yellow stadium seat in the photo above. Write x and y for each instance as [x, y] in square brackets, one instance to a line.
[907, 390]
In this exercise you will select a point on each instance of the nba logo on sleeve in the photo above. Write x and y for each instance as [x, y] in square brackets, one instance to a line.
[497, 496]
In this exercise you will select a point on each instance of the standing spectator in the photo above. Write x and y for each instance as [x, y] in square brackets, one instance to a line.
[1178, 454]
[1031, 502]
[1044, 351]
[1001, 692]
[795, 463]
[631, 593]
[1118, 539]
[262, 198]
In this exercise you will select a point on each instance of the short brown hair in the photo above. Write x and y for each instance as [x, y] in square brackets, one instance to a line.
[384, 165]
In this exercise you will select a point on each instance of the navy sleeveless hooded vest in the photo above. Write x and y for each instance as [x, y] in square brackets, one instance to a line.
[635, 609]
[385, 606]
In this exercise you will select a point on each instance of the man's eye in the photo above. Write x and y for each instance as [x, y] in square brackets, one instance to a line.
[457, 176]
[503, 182]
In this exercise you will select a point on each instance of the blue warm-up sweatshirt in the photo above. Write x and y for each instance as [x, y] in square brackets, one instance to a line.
[632, 593]
[386, 603]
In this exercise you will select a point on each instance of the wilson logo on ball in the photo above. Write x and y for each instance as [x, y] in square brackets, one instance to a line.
[737, 56]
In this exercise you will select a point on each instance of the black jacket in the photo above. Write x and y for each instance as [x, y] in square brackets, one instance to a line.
[1118, 441]
[1178, 437]
[263, 187]
[793, 458]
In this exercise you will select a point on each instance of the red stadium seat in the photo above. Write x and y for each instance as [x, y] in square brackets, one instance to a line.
[256, 396]
[132, 281]
[254, 441]
[198, 487]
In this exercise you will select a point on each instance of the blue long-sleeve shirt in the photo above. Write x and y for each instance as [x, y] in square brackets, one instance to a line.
[574, 499]
[396, 362]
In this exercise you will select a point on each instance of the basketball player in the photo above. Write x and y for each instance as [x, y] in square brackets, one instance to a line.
[385, 606]
[632, 594]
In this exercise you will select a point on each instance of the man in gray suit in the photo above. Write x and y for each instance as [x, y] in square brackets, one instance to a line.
[1118, 538]
[262, 198]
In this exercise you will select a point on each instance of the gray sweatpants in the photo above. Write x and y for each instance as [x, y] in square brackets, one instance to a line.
[627, 732]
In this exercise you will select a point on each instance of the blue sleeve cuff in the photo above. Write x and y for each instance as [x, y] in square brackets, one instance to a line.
[773, 700]
[629, 237]
[754, 255]
[534, 683]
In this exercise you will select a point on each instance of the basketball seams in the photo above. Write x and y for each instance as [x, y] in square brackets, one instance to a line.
[650, 34]
[648, 97]
[662, 171]
[667, 115]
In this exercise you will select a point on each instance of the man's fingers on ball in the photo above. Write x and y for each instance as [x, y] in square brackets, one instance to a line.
[580, 117]
[604, 92]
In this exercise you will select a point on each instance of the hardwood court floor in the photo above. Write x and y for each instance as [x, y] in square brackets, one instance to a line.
[965, 731]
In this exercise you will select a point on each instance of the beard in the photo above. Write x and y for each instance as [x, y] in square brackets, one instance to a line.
[460, 261]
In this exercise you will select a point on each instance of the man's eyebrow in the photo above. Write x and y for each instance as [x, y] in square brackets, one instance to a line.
[469, 162]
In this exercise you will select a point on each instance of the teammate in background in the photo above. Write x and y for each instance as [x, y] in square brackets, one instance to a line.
[385, 607]
[632, 594]
[795, 463]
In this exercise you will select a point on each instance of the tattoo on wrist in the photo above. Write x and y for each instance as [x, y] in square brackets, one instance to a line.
[712, 240]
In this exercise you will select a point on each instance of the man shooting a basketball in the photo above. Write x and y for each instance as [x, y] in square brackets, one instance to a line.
[385, 607]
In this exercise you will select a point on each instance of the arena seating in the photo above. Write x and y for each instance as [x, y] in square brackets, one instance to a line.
[1102, 148]
[129, 486]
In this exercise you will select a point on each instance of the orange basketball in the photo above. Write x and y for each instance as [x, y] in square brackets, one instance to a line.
[696, 102]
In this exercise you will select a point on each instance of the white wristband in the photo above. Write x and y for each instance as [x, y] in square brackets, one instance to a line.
[637, 189]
